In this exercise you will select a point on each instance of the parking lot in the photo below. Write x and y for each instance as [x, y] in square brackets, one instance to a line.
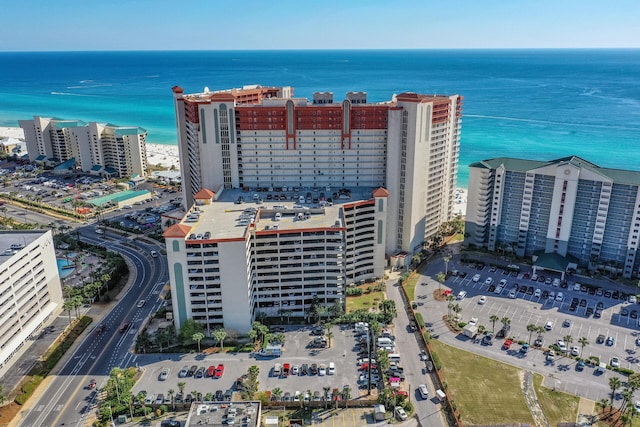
[539, 303]
[343, 353]
[530, 303]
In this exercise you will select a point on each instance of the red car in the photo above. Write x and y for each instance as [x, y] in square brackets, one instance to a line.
[219, 371]
[507, 344]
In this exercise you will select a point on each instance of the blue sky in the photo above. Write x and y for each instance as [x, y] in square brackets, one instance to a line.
[39, 25]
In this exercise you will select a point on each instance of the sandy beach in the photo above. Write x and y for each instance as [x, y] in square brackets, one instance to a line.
[163, 154]
[167, 156]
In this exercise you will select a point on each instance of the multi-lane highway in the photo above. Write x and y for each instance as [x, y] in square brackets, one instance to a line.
[68, 400]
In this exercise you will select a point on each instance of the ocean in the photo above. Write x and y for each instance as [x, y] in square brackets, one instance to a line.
[537, 104]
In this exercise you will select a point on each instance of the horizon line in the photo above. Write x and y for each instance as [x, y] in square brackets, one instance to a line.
[331, 49]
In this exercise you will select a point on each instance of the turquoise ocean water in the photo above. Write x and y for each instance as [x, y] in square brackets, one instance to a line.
[538, 104]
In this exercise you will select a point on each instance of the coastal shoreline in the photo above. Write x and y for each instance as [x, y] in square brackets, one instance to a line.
[167, 155]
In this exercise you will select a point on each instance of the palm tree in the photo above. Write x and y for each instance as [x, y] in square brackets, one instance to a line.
[583, 341]
[531, 328]
[171, 392]
[140, 398]
[614, 383]
[326, 391]
[440, 277]
[181, 385]
[446, 260]
[194, 394]
[505, 322]
[329, 336]
[568, 339]
[276, 393]
[219, 335]
[197, 337]
[493, 319]
[457, 309]
[388, 307]
[602, 404]
[346, 394]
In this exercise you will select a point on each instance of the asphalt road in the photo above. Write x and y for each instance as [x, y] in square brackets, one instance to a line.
[68, 400]
[526, 309]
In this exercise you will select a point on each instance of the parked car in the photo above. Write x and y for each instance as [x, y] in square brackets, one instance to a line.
[400, 413]
[164, 374]
[610, 341]
[575, 350]
[488, 281]
[461, 295]
[476, 278]
[482, 300]
[615, 362]
[600, 339]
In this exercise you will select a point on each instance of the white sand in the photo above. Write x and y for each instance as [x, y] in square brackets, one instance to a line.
[167, 156]
[162, 154]
[11, 132]
[460, 203]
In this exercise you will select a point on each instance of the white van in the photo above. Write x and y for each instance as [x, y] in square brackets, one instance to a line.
[332, 368]
[277, 370]
[394, 357]
[385, 342]
[278, 216]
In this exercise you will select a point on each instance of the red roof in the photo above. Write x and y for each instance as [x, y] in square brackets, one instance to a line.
[205, 193]
[380, 192]
[177, 231]
[177, 89]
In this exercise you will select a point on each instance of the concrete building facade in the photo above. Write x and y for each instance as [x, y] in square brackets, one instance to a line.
[566, 206]
[30, 289]
[99, 148]
[231, 262]
[264, 137]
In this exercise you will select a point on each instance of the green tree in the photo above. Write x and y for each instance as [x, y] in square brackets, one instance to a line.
[493, 318]
[188, 328]
[67, 306]
[181, 385]
[440, 277]
[197, 337]
[583, 341]
[171, 392]
[388, 308]
[531, 328]
[276, 393]
[614, 384]
[329, 337]
[219, 335]
[446, 260]
[602, 404]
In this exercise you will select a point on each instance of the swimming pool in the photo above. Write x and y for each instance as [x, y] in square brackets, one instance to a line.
[64, 272]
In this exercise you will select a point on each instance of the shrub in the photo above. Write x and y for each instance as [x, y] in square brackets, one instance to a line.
[625, 371]
[419, 320]
[436, 360]
[354, 291]
[427, 336]
[462, 324]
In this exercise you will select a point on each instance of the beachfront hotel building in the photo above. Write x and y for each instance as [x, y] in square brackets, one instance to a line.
[581, 214]
[264, 137]
[341, 189]
[97, 148]
[30, 289]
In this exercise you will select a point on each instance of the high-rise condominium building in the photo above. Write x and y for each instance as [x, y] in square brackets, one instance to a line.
[99, 148]
[30, 289]
[568, 207]
[264, 137]
[290, 200]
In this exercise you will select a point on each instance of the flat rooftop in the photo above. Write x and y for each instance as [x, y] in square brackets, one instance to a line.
[11, 242]
[246, 414]
[230, 216]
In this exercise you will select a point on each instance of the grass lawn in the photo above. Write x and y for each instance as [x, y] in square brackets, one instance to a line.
[557, 406]
[410, 287]
[484, 390]
[366, 301]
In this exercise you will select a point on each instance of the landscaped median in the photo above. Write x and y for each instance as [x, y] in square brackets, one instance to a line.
[485, 391]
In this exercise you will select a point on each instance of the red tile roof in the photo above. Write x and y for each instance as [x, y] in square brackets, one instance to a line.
[380, 192]
[179, 231]
[205, 193]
